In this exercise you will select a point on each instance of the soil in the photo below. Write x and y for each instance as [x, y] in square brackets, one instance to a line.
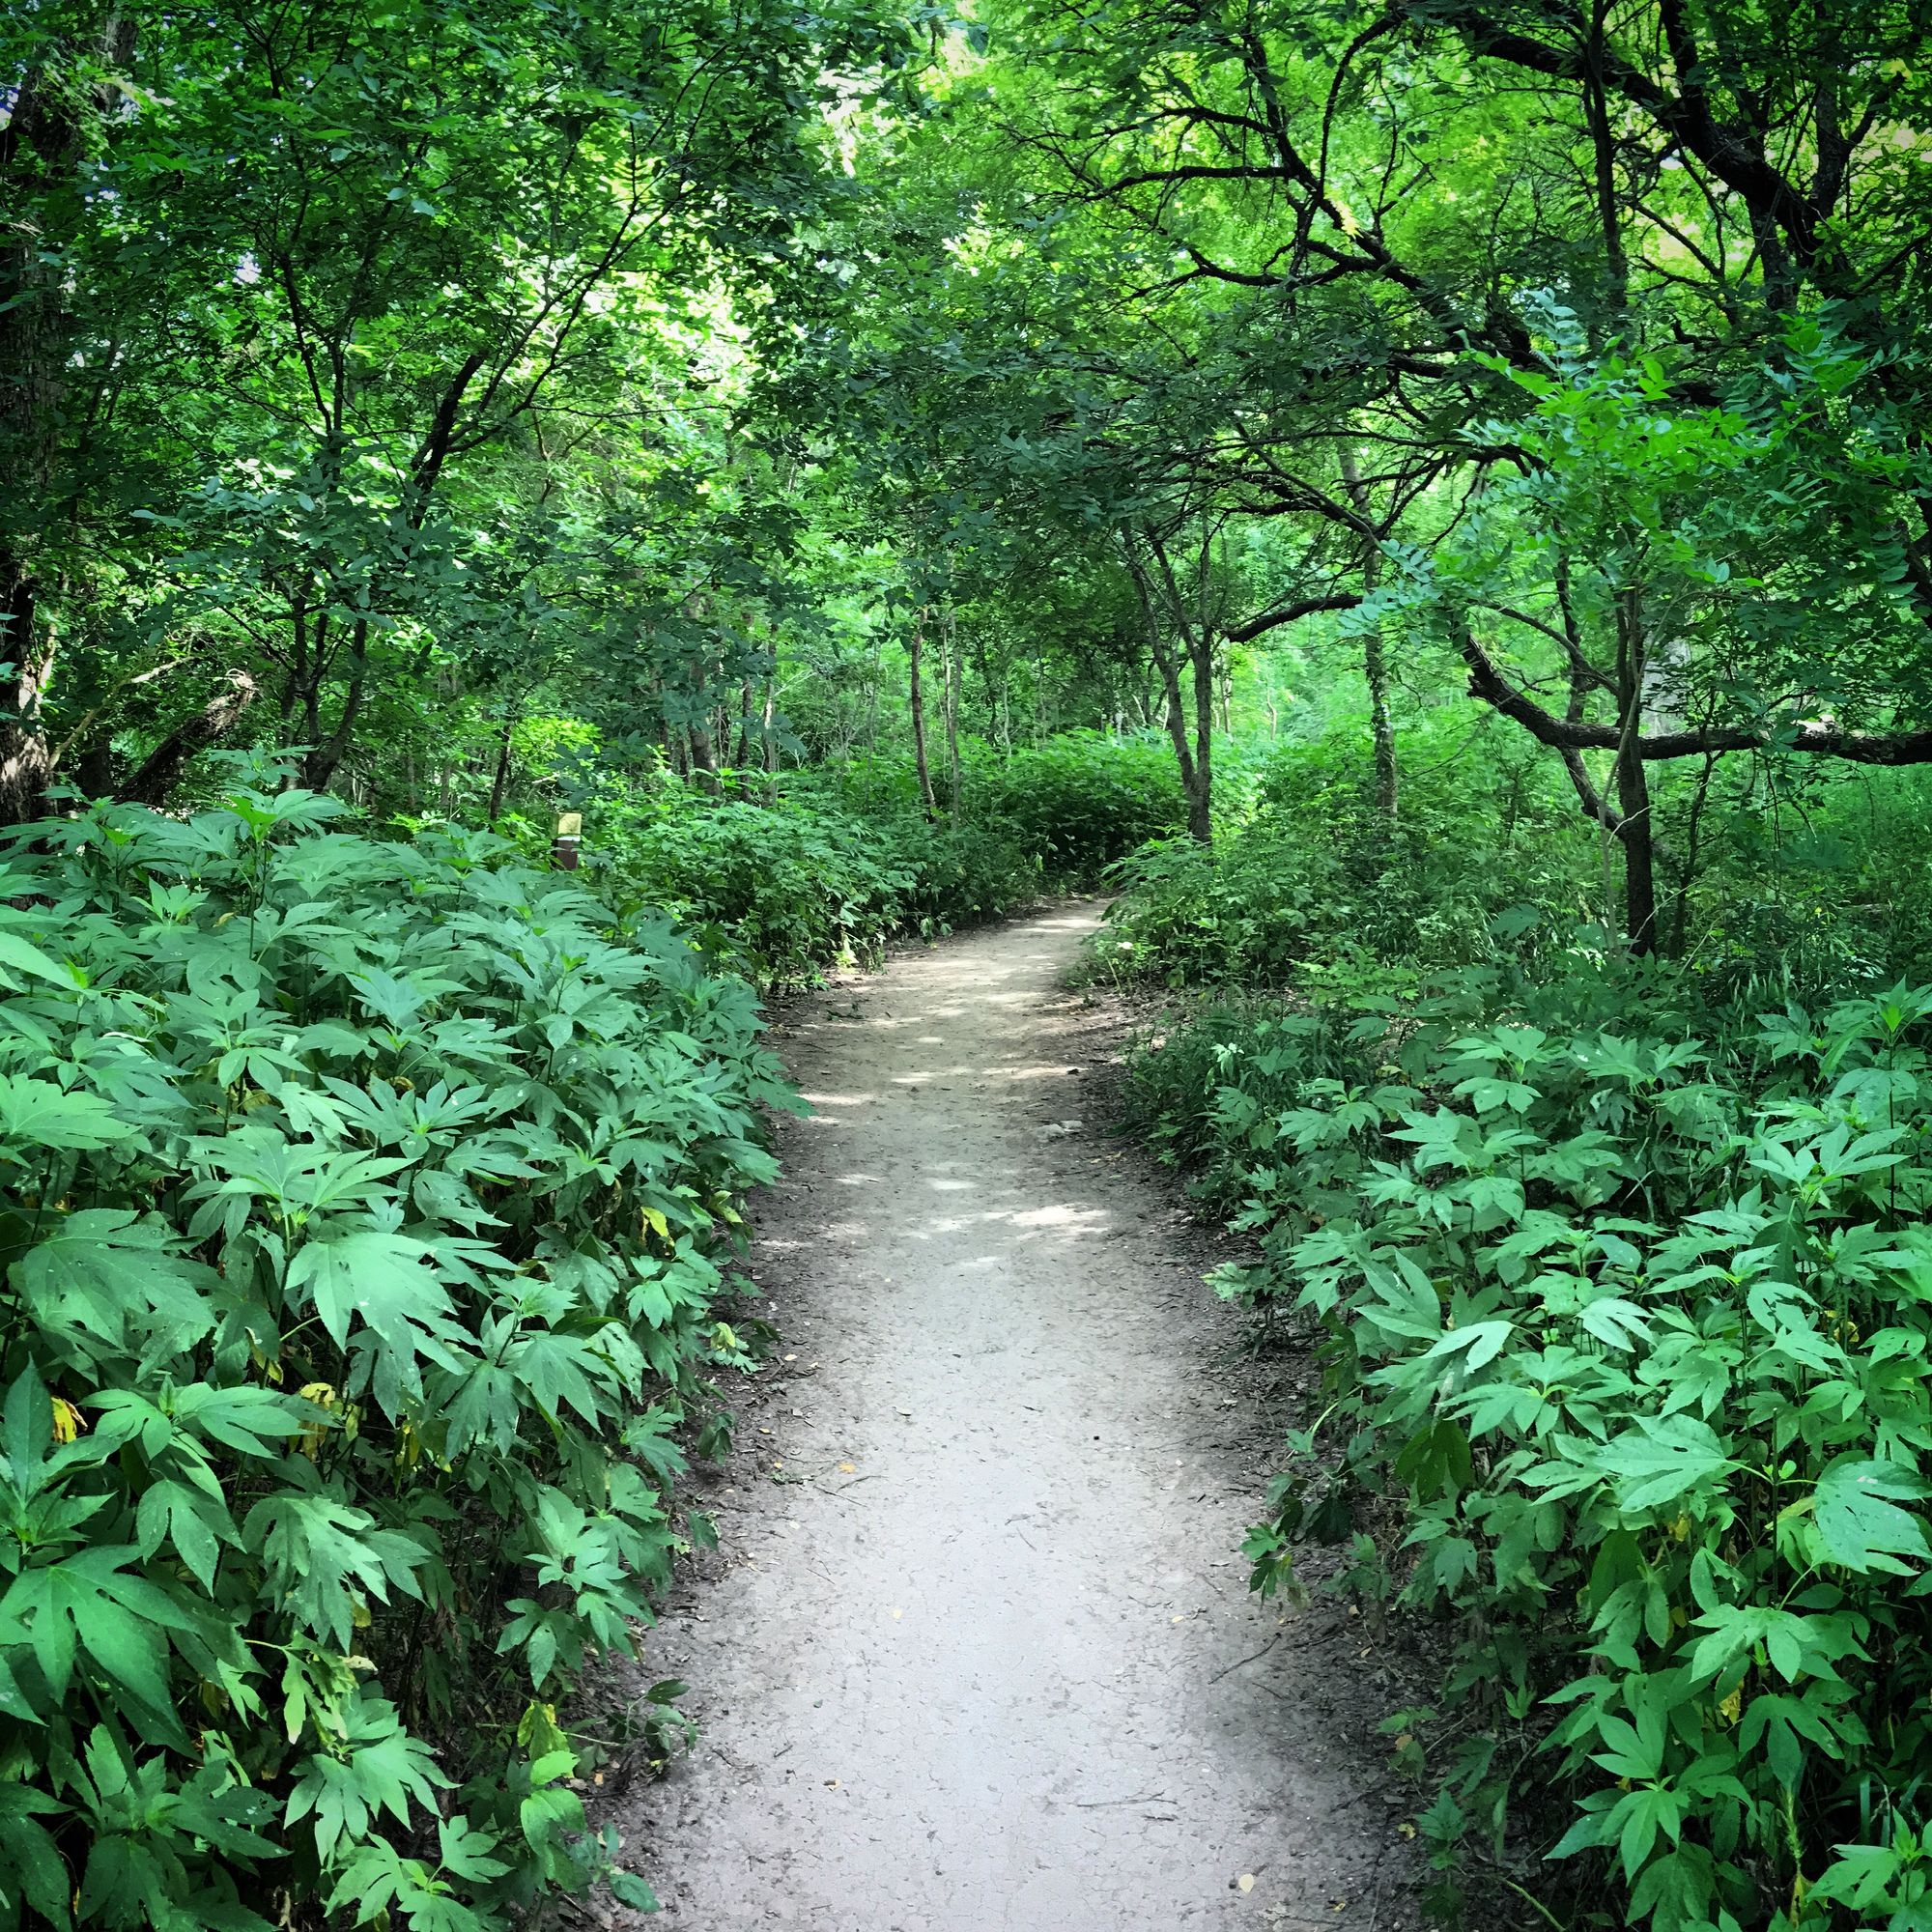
[977, 1650]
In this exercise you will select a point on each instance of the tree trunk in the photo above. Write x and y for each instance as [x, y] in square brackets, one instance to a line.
[925, 799]
[1374, 661]
[949, 665]
[319, 768]
[499, 786]
[26, 759]
[741, 757]
[93, 770]
[1201, 799]
[1169, 668]
[1196, 760]
[1688, 876]
[705, 758]
[1635, 834]
[162, 768]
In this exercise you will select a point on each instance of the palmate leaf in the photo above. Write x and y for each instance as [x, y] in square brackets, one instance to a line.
[20, 955]
[30, 1866]
[484, 1403]
[323, 1553]
[1662, 1459]
[1617, 1323]
[1855, 1508]
[196, 1523]
[1479, 1344]
[379, 1881]
[254, 1422]
[386, 1285]
[382, 1769]
[88, 1603]
[556, 1369]
[35, 1115]
[106, 1282]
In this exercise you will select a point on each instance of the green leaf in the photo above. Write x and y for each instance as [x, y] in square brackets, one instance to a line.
[37, 1115]
[32, 1868]
[1663, 1460]
[1859, 1523]
[20, 955]
[384, 1287]
[383, 1770]
[104, 1281]
[88, 1601]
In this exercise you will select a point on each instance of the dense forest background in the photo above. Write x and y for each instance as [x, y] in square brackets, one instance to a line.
[1430, 503]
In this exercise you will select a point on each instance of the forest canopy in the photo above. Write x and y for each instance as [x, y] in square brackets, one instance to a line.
[388, 378]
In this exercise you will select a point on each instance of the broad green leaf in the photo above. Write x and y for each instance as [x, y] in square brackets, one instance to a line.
[1860, 1522]
[37, 1115]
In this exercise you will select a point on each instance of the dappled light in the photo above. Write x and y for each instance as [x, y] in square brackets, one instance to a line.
[979, 1635]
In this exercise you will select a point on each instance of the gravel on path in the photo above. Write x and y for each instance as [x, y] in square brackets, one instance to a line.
[976, 1652]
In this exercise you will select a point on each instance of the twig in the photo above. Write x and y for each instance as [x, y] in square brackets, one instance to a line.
[1261, 1653]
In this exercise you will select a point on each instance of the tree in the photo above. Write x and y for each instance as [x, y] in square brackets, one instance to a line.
[327, 263]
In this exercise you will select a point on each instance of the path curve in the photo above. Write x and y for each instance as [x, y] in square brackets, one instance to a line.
[981, 1657]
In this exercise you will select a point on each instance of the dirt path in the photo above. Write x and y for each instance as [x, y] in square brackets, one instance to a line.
[981, 1657]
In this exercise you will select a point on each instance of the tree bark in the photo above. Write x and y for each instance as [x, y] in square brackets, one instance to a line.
[1196, 648]
[705, 758]
[1374, 661]
[949, 665]
[1635, 834]
[1168, 664]
[319, 766]
[741, 756]
[499, 786]
[162, 768]
[925, 799]
[1200, 803]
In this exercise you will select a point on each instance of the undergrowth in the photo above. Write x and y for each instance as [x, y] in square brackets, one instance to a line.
[1621, 1280]
[367, 1210]
[822, 868]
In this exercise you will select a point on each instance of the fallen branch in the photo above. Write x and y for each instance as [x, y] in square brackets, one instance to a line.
[162, 768]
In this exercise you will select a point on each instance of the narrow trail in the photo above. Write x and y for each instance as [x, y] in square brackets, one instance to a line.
[979, 1656]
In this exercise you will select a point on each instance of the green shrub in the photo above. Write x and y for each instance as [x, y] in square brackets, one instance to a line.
[1244, 911]
[791, 886]
[1072, 805]
[1306, 871]
[1628, 1326]
[364, 1210]
[842, 858]
[1082, 800]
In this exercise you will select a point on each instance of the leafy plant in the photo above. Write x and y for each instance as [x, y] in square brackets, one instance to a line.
[366, 1210]
[1626, 1324]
